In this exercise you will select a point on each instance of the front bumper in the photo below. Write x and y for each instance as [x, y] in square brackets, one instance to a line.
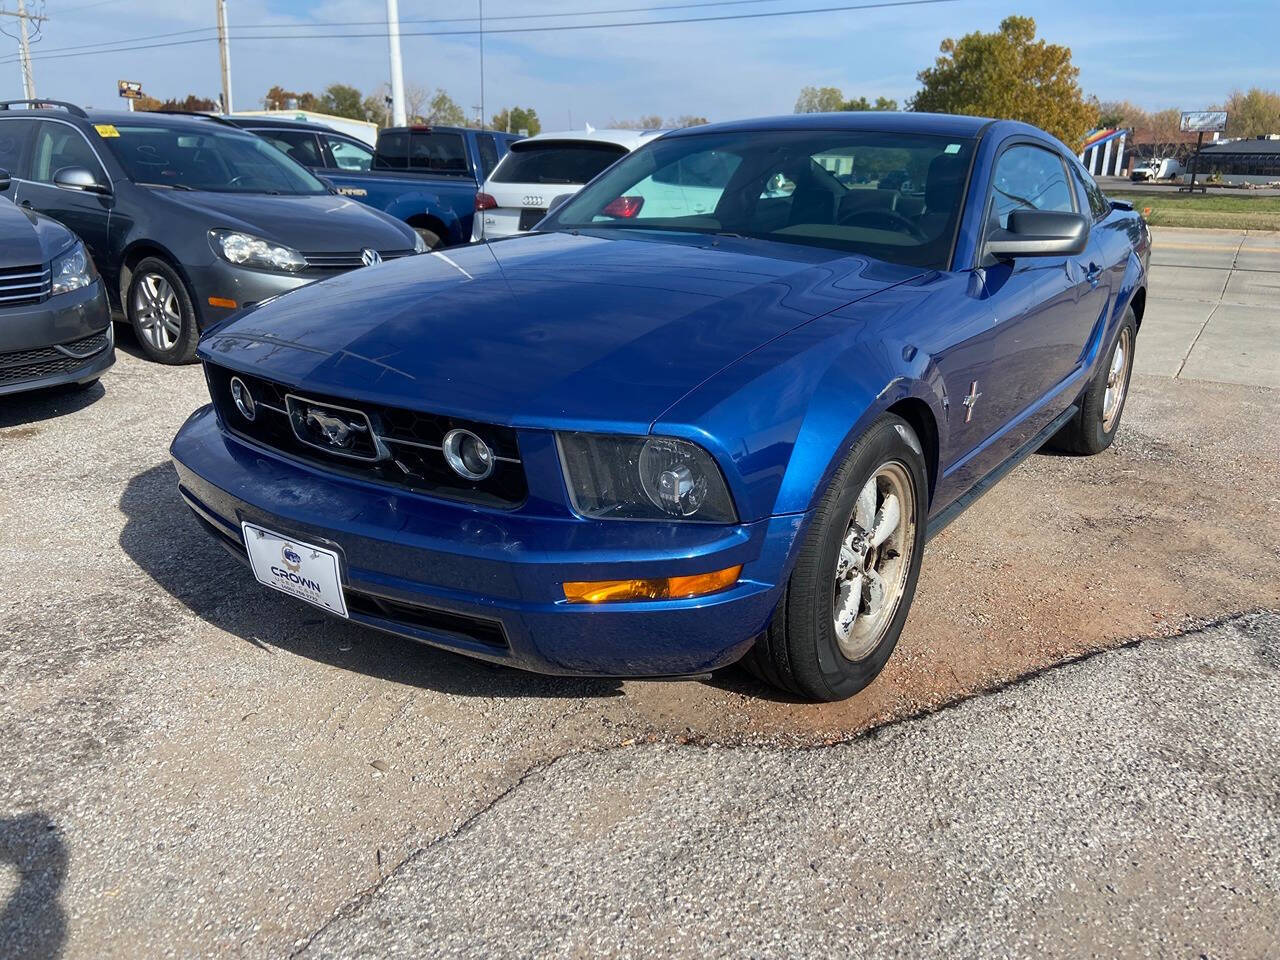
[244, 287]
[488, 582]
[48, 344]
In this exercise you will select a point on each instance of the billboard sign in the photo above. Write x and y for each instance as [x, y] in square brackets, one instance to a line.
[130, 90]
[1204, 121]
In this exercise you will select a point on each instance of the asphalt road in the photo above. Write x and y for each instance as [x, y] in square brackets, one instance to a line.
[192, 766]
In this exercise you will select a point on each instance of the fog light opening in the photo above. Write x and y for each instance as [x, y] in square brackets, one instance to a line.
[661, 588]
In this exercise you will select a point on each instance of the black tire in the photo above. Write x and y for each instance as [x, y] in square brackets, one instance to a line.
[1090, 431]
[429, 237]
[800, 652]
[168, 331]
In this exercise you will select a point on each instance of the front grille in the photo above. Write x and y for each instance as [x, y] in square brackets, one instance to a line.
[19, 285]
[414, 440]
[44, 362]
[348, 260]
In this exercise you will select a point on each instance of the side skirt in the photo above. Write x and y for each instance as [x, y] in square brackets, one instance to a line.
[960, 504]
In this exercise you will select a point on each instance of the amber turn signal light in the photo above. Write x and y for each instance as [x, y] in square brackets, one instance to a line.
[662, 588]
[222, 302]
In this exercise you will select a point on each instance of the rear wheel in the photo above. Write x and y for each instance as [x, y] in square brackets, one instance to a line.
[848, 597]
[160, 309]
[429, 237]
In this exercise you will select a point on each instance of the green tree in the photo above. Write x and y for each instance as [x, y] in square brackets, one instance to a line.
[819, 100]
[1009, 74]
[342, 100]
[1253, 114]
[515, 119]
[191, 103]
[881, 103]
[442, 110]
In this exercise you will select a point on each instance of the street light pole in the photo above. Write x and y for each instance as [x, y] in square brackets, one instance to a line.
[224, 51]
[398, 116]
[24, 46]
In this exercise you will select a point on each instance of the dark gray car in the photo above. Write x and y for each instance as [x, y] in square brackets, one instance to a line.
[55, 327]
[189, 218]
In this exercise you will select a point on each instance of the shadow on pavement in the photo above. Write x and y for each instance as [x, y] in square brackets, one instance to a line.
[162, 538]
[32, 921]
[39, 405]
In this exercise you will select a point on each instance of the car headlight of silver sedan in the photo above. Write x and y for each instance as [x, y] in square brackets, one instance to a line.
[72, 270]
[643, 478]
[246, 250]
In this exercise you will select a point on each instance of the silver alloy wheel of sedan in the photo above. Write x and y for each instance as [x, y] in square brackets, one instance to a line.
[1117, 379]
[157, 311]
[874, 560]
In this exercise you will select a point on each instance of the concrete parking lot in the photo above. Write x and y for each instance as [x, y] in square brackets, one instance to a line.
[1074, 749]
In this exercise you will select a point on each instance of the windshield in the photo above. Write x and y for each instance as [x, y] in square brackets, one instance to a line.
[892, 196]
[224, 161]
[556, 161]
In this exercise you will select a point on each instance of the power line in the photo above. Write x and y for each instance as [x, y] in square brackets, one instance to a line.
[110, 45]
[512, 30]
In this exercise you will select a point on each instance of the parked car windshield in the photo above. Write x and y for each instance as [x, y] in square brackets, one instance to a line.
[223, 161]
[893, 196]
[556, 161]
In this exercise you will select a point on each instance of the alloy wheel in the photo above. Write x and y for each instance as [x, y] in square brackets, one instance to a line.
[156, 311]
[1117, 380]
[874, 560]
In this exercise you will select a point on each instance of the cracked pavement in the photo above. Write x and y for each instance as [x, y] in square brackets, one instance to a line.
[192, 765]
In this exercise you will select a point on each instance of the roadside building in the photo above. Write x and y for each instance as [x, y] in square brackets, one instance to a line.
[1242, 161]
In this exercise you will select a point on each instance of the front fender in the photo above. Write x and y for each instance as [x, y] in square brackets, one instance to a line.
[783, 417]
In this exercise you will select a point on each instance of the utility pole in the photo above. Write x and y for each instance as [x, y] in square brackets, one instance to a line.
[483, 125]
[398, 116]
[24, 45]
[224, 51]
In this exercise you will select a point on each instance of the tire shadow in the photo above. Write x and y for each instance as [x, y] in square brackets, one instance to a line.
[32, 921]
[162, 537]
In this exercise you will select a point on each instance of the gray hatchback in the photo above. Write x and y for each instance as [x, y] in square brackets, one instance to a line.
[55, 328]
[188, 217]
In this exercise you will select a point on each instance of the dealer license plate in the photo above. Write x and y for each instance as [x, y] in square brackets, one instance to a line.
[299, 569]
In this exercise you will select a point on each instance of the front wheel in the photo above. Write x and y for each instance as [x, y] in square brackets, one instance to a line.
[160, 309]
[847, 599]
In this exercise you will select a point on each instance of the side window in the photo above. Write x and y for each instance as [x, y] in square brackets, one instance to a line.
[15, 143]
[58, 146]
[298, 145]
[348, 155]
[1099, 205]
[1029, 178]
[488, 154]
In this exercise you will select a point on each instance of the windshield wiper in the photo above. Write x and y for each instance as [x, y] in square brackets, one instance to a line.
[167, 186]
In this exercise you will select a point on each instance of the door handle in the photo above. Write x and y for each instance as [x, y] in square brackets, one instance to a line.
[1093, 273]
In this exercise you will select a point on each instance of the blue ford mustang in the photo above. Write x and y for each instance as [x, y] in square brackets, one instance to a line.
[710, 409]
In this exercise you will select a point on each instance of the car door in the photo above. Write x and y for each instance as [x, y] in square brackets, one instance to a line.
[1041, 314]
[56, 146]
[15, 149]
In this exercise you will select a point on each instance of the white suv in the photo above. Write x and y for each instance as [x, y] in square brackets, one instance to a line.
[538, 170]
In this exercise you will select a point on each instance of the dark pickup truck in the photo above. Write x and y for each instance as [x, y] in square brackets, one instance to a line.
[426, 176]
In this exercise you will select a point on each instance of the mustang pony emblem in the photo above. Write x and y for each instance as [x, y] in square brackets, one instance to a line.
[335, 430]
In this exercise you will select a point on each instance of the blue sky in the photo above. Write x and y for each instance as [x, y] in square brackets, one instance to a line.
[1169, 54]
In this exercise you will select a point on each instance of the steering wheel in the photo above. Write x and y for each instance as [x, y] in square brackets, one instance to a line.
[883, 220]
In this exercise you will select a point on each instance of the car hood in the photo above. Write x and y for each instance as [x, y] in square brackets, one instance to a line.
[28, 238]
[313, 224]
[552, 329]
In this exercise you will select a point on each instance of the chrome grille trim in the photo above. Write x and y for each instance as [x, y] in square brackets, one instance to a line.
[30, 284]
[348, 260]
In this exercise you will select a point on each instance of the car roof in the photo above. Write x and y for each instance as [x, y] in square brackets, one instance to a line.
[151, 116]
[900, 121]
[623, 138]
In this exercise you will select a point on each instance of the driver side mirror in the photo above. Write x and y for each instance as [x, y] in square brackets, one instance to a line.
[79, 178]
[1039, 233]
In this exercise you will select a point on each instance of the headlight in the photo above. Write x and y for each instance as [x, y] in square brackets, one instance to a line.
[73, 270]
[643, 478]
[419, 245]
[246, 250]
